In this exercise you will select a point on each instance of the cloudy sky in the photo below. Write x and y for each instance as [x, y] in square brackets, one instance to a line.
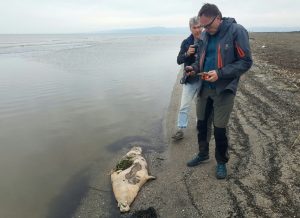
[71, 16]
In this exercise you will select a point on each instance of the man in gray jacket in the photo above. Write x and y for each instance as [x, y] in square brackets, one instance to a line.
[223, 58]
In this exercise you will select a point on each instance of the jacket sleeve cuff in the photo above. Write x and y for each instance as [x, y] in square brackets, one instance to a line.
[219, 73]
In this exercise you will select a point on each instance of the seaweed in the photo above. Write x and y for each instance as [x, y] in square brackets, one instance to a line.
[124, 163]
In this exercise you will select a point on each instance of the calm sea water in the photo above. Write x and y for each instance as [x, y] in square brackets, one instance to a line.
[69, 103]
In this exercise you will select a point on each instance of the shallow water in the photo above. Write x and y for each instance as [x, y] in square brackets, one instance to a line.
[71, 101]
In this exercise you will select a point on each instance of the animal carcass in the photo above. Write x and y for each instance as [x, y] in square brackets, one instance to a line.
[128, 177]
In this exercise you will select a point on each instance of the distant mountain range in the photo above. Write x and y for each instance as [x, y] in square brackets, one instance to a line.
[274, 29]
[150, 30]
[185, 30]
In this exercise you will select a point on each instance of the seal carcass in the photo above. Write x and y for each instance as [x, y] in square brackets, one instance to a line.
[128, 177]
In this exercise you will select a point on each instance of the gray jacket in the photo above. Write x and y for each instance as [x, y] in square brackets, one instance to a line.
[233, 54]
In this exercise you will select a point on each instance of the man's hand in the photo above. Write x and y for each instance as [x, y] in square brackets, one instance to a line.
[189, 71]
[212, 76]
[190, 51]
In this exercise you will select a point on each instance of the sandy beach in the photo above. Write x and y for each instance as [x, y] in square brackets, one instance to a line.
[263, 171]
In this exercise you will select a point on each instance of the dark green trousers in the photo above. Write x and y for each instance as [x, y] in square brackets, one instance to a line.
[221, 106]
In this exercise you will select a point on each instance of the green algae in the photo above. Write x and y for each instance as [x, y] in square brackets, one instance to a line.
[124, 164]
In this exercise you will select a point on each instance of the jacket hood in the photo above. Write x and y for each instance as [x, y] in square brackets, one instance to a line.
[226, 23]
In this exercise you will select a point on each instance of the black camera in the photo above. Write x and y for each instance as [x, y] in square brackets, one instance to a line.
[196, 48]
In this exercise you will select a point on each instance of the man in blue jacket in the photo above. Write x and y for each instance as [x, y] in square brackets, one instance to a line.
[187, 56]
[223, 58]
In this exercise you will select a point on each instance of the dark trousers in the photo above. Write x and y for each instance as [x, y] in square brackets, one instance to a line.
[221, 106]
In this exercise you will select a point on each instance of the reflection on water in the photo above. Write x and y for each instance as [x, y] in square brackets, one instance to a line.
[71, 102]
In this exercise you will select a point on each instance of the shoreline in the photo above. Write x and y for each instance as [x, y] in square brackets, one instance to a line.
[263, 171]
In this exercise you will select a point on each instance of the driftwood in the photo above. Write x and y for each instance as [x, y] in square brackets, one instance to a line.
[129, 175]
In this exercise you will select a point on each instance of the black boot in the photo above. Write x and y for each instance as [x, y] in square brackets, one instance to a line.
[203, 144]
[198, 159]
[202, 137]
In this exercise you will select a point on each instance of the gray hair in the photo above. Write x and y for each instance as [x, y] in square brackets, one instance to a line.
[194, 21]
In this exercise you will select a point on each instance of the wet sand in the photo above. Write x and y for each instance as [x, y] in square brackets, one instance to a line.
[263, 171]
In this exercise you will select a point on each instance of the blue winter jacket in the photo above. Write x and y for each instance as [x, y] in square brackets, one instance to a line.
[233, 55]
[182, 58]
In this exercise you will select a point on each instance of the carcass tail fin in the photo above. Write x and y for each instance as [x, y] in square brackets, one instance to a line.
[151, 177]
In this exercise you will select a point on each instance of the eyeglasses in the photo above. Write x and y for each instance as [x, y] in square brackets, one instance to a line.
[210, 23]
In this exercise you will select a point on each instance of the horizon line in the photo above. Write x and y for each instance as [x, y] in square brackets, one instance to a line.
[250, 29]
